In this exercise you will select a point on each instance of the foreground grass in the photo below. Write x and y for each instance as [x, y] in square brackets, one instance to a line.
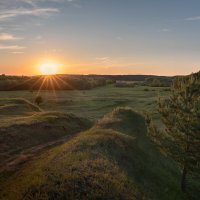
[112, 160]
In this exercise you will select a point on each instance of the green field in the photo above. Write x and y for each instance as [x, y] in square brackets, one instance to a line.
[93, 104]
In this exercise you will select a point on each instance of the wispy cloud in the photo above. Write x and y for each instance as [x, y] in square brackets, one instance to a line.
[34, 2]
[119, 38]
[17, 52]
[11, 47]
[39, 37]
[7, 36]
[29, 2]
[164, 30]
[7, 14]
[103, 60]
[193, 18]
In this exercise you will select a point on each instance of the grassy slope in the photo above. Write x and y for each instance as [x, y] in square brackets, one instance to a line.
[17, 106]
[145, 165]
[20, 133]
[113, 160]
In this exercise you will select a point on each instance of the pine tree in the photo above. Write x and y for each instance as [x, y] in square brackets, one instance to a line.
[180, 114]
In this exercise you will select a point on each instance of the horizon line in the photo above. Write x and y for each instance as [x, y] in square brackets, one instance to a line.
[97, 75]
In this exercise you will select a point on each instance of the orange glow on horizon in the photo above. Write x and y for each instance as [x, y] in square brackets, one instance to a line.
[48, 66]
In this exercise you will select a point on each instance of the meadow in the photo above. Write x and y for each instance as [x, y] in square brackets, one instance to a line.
[94, 103]
[88, 144]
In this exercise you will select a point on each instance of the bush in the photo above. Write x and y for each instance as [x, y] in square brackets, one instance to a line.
[38, 100]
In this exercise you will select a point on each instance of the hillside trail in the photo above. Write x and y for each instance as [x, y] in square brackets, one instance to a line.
[16, 161]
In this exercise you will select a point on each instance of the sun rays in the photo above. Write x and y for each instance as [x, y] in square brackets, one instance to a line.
[52, 83]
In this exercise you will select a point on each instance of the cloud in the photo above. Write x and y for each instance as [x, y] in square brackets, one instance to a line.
[11, 47]
[7, 14]
[39, 37]
[103, 60]
[34, 2]
[29, 2]
[119, 38]
[193, 18]
[7, 36]
[18, 52]
[164, 30]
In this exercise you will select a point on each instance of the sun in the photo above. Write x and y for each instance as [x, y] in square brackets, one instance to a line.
[48, 69]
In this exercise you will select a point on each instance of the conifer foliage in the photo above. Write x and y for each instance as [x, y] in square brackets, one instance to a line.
[180, 138]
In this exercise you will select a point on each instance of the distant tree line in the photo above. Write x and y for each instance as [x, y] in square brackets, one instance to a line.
[80, 82]
[139, 78]
[158, 81]
[56, 82]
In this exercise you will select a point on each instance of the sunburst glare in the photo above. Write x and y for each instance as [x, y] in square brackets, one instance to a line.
[48, 69]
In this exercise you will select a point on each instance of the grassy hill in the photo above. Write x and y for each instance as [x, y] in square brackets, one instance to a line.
[21, 133]
[17, 106]
[112, 160]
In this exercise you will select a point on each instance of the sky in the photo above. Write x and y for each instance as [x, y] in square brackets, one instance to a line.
[100, 36]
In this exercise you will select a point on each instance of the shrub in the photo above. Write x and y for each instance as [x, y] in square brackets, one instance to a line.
[38, 100]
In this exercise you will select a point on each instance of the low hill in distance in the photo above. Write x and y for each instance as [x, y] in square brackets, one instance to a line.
[112, 160]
